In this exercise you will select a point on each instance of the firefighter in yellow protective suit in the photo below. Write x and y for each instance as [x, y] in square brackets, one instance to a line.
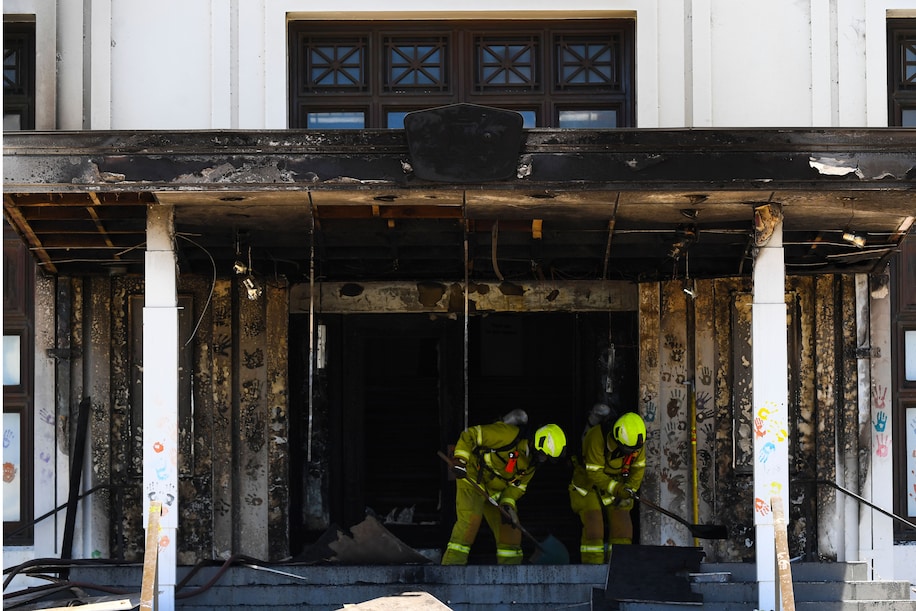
[494, 464]
[613, 462]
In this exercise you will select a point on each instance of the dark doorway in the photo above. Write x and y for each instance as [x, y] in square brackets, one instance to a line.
[393, 394]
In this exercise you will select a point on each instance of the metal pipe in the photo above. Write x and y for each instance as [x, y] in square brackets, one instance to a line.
[308, 451]
[610, 236]
[690, 314]
[464, 214]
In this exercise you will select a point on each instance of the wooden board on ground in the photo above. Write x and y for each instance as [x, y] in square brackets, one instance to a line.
[418, 601]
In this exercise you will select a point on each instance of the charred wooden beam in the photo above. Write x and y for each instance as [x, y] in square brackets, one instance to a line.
[628, 159]
[442, 298]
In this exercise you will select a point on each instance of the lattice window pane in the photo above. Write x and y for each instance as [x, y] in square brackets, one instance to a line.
[416, 64]
[908, 117]
[386, 68]
[13, 48]
[338, 65]
[588, 62]
[908, 63]
[507, 64]
[336, 120]
[587, 119]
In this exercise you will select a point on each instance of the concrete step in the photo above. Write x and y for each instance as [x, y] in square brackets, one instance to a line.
[808, 590]
[859, 605]
[329, 588]
[724, 586]
[801, 571]
[842, 586]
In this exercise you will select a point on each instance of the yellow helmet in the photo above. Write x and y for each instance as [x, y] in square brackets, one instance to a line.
[551, 440]
[629, 431]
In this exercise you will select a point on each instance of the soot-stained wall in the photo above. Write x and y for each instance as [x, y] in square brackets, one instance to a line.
[715, 377]
[233, 413]
[694, 380]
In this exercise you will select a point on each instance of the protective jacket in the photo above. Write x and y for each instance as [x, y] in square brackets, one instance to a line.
[498, 459]
[606, 469]
[498, 462]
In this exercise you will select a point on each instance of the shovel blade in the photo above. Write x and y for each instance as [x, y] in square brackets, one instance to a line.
[550, 551]
[709, 531]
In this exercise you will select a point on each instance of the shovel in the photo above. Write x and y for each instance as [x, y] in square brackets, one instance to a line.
[549, 551]
[699, 531]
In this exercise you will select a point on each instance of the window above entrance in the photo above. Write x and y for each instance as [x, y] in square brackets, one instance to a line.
[901, 40]
[357, 75]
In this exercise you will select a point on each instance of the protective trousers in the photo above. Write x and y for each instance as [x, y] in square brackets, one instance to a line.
[471, 508]
[592, 549]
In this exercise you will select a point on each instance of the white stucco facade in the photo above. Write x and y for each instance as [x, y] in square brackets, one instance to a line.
[222, 64]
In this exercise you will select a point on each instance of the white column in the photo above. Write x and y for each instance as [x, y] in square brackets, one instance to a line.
[160, 391]
[876, 384]
[770, 395]
[699, 70]
[97, 88]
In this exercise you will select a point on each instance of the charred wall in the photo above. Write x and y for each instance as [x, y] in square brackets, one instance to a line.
[822, 398]
[233, 413]
[694, 367]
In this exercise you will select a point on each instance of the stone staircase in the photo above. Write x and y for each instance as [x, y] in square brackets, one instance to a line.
[330, 588]
[842, 586]
[574, 587]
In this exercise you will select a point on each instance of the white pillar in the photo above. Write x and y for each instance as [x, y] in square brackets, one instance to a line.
[160, 391]
[876, 397]
[770, 396]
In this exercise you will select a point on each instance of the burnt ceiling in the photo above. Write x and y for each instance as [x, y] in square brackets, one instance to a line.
[612, 204]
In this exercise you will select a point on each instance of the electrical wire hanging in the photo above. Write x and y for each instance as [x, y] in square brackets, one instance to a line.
[212, 286]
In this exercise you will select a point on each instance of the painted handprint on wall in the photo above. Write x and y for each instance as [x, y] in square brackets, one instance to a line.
[883, 445]
[674, 403]
[705, 377]
[880, 397]
[765, 452]
[881, 422]
[674, 485]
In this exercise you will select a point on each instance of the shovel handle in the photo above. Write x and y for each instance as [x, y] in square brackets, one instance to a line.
[699, 531]
[658, 508]
[493, 502]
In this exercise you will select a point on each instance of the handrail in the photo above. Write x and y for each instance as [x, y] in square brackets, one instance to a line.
[64, 506]
[858, 498]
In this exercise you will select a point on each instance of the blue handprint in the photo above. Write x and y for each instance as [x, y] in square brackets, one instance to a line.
[765, 452]
[8, 436]
[702, 399]
[881, 422]
[651, 410]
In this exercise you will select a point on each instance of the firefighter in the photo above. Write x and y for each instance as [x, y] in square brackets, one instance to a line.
[494, 464]
[612, 464]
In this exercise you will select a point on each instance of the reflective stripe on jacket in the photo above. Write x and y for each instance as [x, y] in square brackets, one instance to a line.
[605, 467]
[502, 467]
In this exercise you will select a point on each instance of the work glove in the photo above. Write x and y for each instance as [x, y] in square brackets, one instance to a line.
[509, 515]
[610, 497]
[620, 503]
[459, 468]
[624, 494]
